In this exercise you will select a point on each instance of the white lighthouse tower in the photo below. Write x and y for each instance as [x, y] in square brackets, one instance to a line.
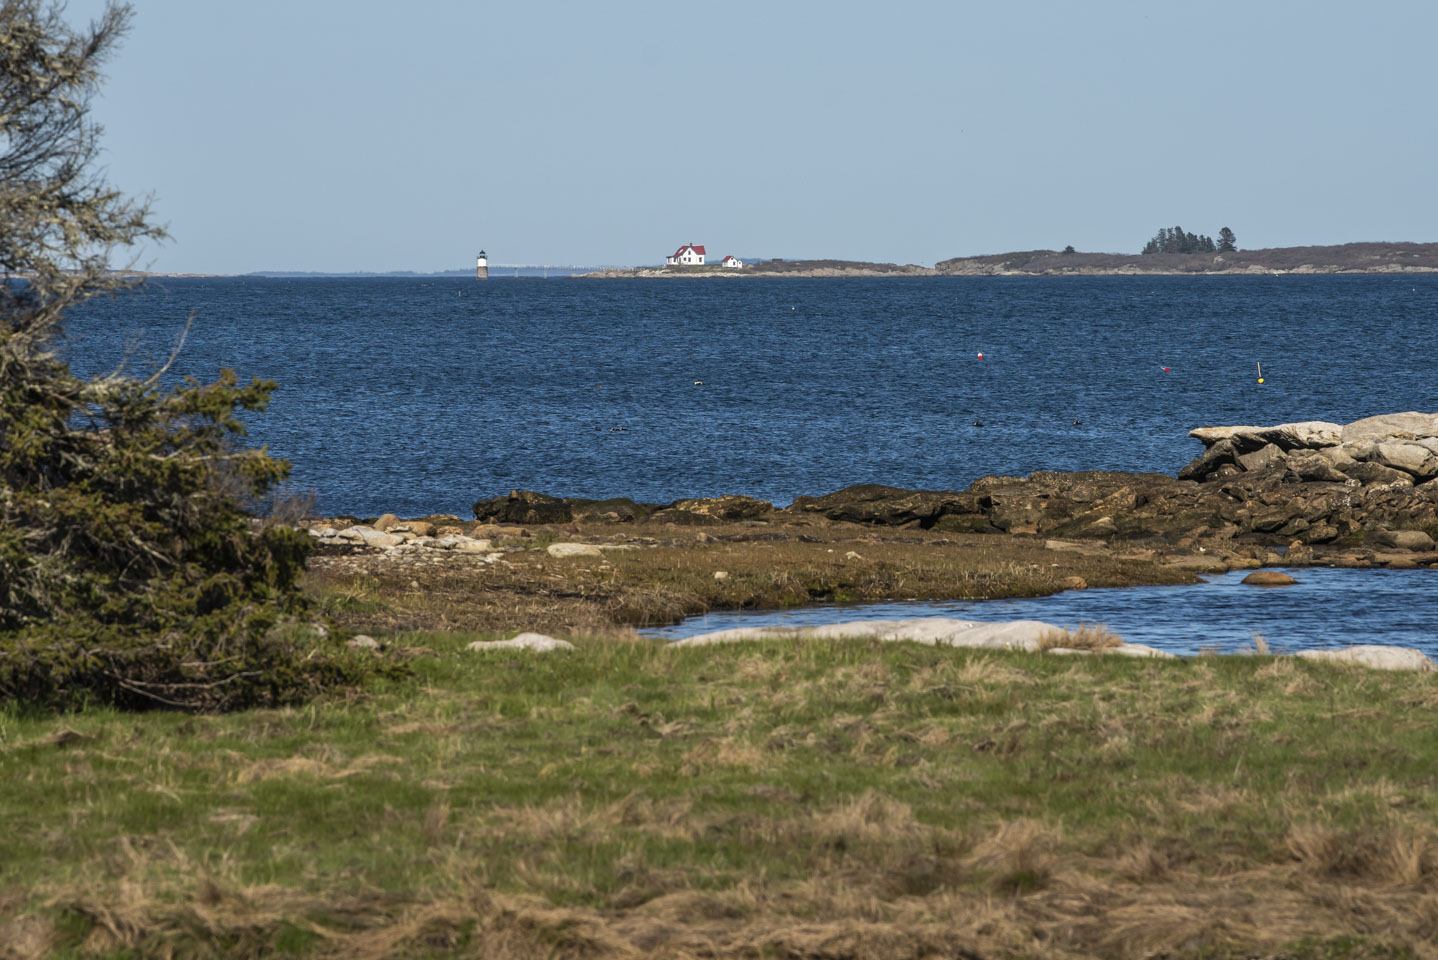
[481, 266]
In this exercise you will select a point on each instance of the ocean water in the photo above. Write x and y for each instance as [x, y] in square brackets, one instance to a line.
[417, 396]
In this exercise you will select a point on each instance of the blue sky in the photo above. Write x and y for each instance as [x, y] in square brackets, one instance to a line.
[365, 135]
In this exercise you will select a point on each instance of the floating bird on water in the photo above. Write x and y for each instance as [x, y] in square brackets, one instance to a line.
[977, 424]
[698, 383]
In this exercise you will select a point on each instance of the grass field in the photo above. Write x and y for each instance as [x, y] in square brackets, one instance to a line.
[795, 799]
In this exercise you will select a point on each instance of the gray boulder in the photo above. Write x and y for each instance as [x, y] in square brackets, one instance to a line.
[1413, 458]
[1264, 456]
[370, 537]
[1415, 540]
[1369, 474]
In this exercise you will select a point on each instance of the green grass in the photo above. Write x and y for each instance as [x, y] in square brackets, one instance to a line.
[761, 799]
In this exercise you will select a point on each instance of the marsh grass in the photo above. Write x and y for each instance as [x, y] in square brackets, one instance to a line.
[805, 798]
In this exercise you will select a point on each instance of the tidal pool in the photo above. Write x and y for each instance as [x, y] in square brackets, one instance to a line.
[1326, 608]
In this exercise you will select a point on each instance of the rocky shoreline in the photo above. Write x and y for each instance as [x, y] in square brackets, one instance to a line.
[1363, 494]
[1358, 494]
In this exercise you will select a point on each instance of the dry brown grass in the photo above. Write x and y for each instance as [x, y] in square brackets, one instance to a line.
[1093, 637]
[882, 886]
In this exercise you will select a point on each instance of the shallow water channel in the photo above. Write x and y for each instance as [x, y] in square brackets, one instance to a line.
[1326, 608]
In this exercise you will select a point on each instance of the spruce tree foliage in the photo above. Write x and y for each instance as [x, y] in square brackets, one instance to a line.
[131, 572]
[1227, 242]
[1175, 240]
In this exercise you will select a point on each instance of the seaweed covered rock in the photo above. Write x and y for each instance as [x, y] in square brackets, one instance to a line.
[723, 509]
[523, 506]
[889, 506]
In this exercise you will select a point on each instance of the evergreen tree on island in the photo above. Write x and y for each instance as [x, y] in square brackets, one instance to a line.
[1176, 240]
[1227, 242]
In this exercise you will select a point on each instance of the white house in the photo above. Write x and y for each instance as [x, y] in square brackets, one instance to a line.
[687, 255]
[731, 261]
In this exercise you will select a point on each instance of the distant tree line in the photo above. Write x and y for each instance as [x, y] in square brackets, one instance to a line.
[1176, 240]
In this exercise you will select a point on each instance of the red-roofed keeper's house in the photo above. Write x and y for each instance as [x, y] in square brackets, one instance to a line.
[686, 256]
[732, 262]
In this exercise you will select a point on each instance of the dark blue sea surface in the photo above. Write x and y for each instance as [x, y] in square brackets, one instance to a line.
[415, 396]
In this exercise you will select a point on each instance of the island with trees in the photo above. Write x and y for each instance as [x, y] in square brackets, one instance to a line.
[1174, 250]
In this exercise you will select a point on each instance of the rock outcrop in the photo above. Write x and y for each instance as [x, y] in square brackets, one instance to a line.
[1314, 450]
[931, 631]
[1374, 482]
[1313, 482]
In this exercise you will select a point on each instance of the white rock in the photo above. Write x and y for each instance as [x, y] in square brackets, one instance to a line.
[468, 545]
[1412, 423]
[619, 547]
[354, 533]
[931, 631]
[362, 642]
[1138, 650]
[524, 641]
[574, 550]
[1307, 433]
[721, 574]
[1376, 656]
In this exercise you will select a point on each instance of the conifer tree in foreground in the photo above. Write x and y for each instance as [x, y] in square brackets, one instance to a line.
[131, 572]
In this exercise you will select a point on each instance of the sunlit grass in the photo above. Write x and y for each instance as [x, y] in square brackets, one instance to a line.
[901, 797]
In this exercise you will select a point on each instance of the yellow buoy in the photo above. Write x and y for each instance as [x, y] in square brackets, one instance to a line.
[1260, 372]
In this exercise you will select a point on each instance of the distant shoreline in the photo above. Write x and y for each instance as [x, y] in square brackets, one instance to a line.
[1346, 258]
